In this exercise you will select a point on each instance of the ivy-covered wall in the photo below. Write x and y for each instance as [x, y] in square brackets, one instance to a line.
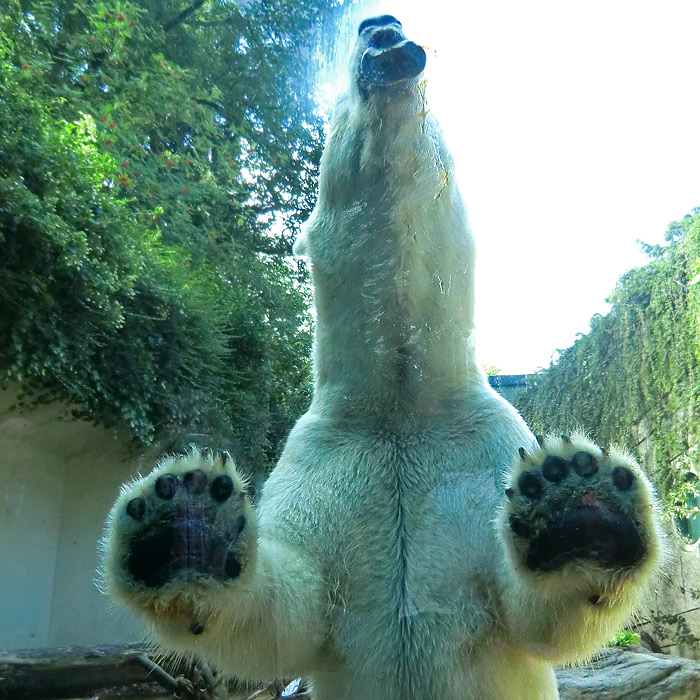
[638, 366]
[634, 380]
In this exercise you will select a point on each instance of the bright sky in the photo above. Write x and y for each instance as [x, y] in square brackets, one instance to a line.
[576, 131]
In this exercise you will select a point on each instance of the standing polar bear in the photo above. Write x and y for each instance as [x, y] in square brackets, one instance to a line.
[394, 552]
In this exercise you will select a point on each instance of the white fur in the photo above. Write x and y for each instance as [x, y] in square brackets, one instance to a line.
[379, 570]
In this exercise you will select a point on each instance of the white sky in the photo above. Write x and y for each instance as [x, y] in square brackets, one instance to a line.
[576, 131]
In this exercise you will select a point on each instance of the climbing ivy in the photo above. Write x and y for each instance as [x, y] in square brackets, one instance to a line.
[634, 377]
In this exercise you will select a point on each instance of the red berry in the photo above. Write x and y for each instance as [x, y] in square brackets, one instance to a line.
[184, 190]
[125, 164]
[132, 23]
[91, 39]
[120, 17]
[103, 118]
[137, 173]
[25, 66]
[112, 125]
[83, 79]
[169, 163]
[188, 161]
[231, 165]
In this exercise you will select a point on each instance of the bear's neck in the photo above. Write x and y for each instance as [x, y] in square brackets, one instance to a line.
[395, 316]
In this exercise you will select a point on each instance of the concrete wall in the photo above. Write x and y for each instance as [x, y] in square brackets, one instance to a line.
[30, 517]
[59, 478]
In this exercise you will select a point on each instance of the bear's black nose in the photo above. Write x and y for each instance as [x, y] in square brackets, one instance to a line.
[380, 21]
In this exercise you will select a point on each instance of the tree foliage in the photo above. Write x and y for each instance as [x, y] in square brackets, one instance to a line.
[155, 162]
[636, 374]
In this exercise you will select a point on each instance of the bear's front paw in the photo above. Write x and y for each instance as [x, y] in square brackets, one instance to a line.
[190, 520]
[569, 502]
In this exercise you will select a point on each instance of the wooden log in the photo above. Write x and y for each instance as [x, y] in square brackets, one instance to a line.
[74, 672]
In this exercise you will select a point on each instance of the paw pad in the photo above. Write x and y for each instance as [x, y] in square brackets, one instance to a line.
[530, 485]
[570, 500]
[623, 478]
[554, 469]
[166, 486]
[184, 523]
[221, 488]
[136, 508]
[584, 463]
[195, 481]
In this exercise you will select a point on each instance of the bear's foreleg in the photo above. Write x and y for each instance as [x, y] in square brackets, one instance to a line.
[581, 532]
[183, 547]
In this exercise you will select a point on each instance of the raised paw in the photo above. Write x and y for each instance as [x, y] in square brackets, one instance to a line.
[190, 519]
[571, 502]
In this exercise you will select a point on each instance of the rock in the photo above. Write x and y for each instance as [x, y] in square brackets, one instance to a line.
[622, 674]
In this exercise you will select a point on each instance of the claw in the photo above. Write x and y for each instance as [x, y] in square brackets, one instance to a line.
[510, 494]
[540, 440]
[566, 439]
[604, 451]
[523, 454]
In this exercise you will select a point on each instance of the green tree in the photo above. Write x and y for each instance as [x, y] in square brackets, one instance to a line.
[155, 162]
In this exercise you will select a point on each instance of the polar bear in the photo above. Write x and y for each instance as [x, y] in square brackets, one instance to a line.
[415, 540]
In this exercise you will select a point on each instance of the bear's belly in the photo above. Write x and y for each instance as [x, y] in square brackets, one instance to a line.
[405, 528]
[414, 582]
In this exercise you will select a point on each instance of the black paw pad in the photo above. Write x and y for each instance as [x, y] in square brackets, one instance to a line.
[519, 527]
[554, 469]
[221, 488]
[530, 485]
[166, 486]
[195, 481]
[585, 464]
[184, 546]
[136, 508]
[609, 538]
[623, 478]
[150, 556]
[232, 568]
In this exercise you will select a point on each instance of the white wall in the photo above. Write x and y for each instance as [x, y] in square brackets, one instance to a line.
[58, 479]
[30, 514]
